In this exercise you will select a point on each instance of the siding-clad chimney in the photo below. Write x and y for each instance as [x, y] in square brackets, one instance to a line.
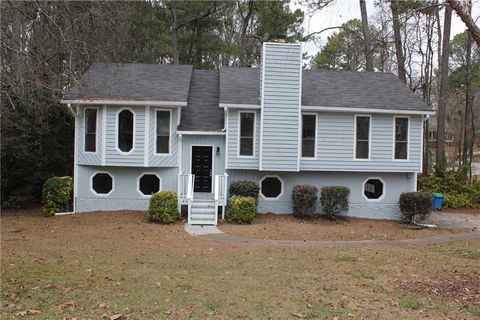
[281, 92]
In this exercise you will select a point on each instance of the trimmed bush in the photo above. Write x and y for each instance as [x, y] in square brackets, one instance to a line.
[304, 200]
[334, 200]
[241, 209]
[163, 207]
[244, 189]
[57, 195]
[415, 204]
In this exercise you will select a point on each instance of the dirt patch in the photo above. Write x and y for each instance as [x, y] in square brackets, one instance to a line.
[287, 227]
[462, 289]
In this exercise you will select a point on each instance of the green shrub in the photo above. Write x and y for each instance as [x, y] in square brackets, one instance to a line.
[304, 200]
[415, 205]
[163, 207]
[57, 195]
[244, 189]
[334, 200]
[241, 209]
[458, 190]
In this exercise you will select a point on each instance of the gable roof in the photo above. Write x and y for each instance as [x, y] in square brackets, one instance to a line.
[133, 82]
[325, 88]
[202, 112]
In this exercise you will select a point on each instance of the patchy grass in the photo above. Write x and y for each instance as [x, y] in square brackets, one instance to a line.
[287, 227]
[105, 264]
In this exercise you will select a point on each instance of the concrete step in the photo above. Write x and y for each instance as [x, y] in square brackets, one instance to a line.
[203, 211]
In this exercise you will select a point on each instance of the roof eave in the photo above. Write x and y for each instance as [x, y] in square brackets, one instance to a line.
[367, 110]
[126, 102]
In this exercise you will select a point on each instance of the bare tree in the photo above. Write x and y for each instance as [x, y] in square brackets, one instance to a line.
[398, 41]
[466, 17]
[443, 93]
[366, 37]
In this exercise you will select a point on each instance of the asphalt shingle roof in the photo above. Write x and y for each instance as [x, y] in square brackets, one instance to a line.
[202, 112]
[240, 86]
[345, 89]
[134, 82]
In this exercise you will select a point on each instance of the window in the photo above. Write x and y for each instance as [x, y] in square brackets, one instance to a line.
[149, 184]
[309, 126]
[362, 137]
[247, 127]
[271, 187]
[373, 189]
[102, 183]
[401, 138]
[90, 130]
[125, 130]
[163, 131]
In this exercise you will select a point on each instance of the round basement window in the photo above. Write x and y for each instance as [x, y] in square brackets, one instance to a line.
[373, 189]
[149, 184]
[102, 183]
[271, 187]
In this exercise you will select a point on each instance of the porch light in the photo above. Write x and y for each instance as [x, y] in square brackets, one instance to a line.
[218, 151]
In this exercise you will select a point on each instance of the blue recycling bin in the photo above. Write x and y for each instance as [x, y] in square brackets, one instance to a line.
[437, 200]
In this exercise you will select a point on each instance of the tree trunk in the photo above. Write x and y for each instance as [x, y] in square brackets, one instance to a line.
[468, 84]
[366, 37]
[398, 42]
[466, 17]
[175, 49]
[443, 94]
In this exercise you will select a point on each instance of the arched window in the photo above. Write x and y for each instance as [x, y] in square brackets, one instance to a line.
[125, 130]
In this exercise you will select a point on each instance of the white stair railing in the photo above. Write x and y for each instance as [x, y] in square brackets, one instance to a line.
[189, 198]
[182, 189]
[220, 194]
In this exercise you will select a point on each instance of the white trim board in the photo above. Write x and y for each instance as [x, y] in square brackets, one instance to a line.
[239, 106]
[127, 102]
[202, 133]
[364, 110]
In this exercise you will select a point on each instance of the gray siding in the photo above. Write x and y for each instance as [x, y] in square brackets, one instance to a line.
[125, 195]
[335, 145]
[88, 157]
[281, 94]
[386, 208]
[207, 140]
[113, 156]
[144, 134]
[234, 161]
[160, 160]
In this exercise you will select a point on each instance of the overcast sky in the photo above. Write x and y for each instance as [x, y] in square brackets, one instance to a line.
[340, 11]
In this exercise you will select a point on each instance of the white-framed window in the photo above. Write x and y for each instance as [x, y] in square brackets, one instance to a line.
[374, 189]
[125, 130]
[271, 187]
[362, 137]
[309, 135]
[90, 125]
[148, 184]
[246, 135]
[400, 137]
[162, 131]
[101, 183]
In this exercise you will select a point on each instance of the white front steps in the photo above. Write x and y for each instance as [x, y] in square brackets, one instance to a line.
[203, 212]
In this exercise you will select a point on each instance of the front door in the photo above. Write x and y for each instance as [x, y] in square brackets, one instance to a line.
[202, 168]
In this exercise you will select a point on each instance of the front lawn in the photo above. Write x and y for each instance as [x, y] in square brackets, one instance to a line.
[112, 264]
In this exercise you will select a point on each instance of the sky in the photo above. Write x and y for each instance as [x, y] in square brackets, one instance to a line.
[340, 11]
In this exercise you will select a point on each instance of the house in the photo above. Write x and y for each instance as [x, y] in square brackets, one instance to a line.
[144, 128]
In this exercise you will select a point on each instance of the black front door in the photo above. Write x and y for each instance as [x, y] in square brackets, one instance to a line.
[202, 168]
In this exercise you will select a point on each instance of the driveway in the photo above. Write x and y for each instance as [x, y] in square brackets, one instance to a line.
[454, 220]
